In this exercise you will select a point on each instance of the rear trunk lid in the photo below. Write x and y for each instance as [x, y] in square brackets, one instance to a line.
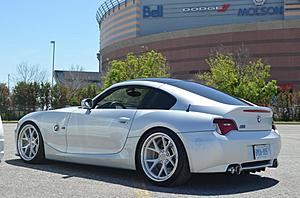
[251, 118]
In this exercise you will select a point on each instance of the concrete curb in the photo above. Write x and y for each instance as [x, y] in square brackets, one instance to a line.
[9, 122]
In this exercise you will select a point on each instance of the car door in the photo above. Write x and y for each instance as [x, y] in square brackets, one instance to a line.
[53, 124]
[104, 128]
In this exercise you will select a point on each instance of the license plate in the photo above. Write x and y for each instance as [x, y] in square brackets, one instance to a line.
[262, 151]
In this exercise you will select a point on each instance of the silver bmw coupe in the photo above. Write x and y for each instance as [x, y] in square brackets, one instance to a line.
[164, 128]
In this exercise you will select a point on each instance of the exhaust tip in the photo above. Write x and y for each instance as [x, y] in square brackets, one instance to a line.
[234, 169]
[275, 163]
[231, 170]
[238, 169]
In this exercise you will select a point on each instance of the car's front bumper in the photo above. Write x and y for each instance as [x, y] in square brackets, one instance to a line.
[211, 152]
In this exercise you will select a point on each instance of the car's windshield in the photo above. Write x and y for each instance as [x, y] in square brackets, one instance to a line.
[208, 92]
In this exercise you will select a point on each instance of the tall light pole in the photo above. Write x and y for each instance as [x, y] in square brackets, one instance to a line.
[53, 59]
[8, 82]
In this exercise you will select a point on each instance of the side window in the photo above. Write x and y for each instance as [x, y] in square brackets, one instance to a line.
[157, 99]
[124, 98]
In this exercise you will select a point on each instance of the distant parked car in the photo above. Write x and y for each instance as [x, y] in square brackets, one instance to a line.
[1, 140]
[165, 128]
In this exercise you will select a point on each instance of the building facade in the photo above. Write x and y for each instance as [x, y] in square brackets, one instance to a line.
[77, 79]
[187, 31]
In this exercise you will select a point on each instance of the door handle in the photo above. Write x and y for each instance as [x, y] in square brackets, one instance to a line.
[124, 119]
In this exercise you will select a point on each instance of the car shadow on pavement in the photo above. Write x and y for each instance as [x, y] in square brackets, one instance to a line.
[200, 184]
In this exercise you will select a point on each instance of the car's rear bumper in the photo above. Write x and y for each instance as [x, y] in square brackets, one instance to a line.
[1, 148]
[211, 152]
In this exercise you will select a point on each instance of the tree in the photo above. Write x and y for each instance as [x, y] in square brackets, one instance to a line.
[148, 64]
[25, 96]
[286, 105]
[30, 73]
[246, 79]
[4, 98]
[59, 96]
[44, 96]
[88, 92]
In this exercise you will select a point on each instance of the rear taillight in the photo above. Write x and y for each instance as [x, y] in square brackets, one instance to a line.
[224, 126]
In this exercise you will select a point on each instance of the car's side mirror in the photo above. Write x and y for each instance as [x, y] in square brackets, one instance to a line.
[87, 103]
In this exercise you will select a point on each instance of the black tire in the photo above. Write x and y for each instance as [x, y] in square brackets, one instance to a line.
[182, 173]
[40, 155]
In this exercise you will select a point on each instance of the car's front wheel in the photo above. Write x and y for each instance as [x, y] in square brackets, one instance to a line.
[162, 158]
[30, 144]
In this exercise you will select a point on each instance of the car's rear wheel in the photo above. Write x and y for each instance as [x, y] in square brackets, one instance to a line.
[30, 144]
[163, 159]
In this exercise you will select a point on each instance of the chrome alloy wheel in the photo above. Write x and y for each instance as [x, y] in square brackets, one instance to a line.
[159, 157]
[28, 142]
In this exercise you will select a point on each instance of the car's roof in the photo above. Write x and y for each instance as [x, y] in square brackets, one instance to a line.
[198, 89]
[160, 80]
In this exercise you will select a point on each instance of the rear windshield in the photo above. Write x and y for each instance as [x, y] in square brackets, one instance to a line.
[208, 92]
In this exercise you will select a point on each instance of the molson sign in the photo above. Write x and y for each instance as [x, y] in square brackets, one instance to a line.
[261, 9]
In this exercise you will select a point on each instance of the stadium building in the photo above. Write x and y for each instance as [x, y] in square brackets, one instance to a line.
[186, 31]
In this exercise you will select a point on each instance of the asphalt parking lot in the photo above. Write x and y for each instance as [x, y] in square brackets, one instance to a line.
[57, 179]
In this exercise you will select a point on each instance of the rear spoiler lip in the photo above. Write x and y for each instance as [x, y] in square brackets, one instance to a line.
[224, 110]
[256, 111]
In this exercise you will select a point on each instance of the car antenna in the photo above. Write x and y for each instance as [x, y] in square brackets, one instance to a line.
[188, 109]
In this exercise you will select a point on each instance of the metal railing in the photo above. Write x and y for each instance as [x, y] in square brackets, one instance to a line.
[110, 6]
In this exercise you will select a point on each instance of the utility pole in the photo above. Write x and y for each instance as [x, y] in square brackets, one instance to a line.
[53, 59]
[52, 79]
[8, 84]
